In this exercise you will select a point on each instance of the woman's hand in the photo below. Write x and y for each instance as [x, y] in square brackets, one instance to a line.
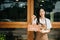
[44, 26]
[33, 17]
[45, 31]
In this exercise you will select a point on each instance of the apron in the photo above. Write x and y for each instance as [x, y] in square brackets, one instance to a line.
[40, 36]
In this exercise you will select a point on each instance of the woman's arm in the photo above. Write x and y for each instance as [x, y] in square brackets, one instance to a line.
[44, 29]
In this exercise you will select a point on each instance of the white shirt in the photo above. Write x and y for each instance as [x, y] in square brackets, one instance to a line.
[43, 21]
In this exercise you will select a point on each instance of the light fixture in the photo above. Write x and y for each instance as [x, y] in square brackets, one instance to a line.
[41, 5]
[42, 0]
[17, 0]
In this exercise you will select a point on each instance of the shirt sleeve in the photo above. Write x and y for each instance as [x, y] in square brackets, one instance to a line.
[49, 26]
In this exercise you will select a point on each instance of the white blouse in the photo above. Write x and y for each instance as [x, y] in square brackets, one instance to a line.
[43, 21]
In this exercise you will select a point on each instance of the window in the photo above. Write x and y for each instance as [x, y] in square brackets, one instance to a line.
[13, 11]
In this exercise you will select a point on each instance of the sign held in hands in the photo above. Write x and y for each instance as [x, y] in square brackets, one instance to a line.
[33, 28]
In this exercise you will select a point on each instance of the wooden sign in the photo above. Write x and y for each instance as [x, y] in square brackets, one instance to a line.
[33, 28]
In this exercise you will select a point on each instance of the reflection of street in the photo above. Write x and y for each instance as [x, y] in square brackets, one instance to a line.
[12, 4]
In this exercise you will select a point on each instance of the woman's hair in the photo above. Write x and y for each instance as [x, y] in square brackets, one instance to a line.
[38, 14]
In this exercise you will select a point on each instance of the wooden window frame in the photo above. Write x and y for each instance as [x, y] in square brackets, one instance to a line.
[30, 12]
[18, 24]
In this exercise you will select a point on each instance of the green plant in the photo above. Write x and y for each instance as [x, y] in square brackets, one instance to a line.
[2, 36]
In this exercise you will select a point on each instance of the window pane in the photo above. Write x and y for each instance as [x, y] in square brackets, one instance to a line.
[57, 12]
[13, 11]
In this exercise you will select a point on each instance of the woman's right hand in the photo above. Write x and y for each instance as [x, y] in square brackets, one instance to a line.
[33, 17]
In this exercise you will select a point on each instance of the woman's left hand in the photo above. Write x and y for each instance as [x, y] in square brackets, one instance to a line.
[45, 31]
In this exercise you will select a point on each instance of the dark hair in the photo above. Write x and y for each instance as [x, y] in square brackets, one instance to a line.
[38, 14]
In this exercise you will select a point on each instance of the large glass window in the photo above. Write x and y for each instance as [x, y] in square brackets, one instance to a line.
[13, 10]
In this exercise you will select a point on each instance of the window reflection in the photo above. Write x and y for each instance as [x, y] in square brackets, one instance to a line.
[12, 10]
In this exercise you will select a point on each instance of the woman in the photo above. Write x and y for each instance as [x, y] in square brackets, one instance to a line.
[43, 23]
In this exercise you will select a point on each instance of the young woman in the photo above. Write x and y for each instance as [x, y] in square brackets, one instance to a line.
[43, 23]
